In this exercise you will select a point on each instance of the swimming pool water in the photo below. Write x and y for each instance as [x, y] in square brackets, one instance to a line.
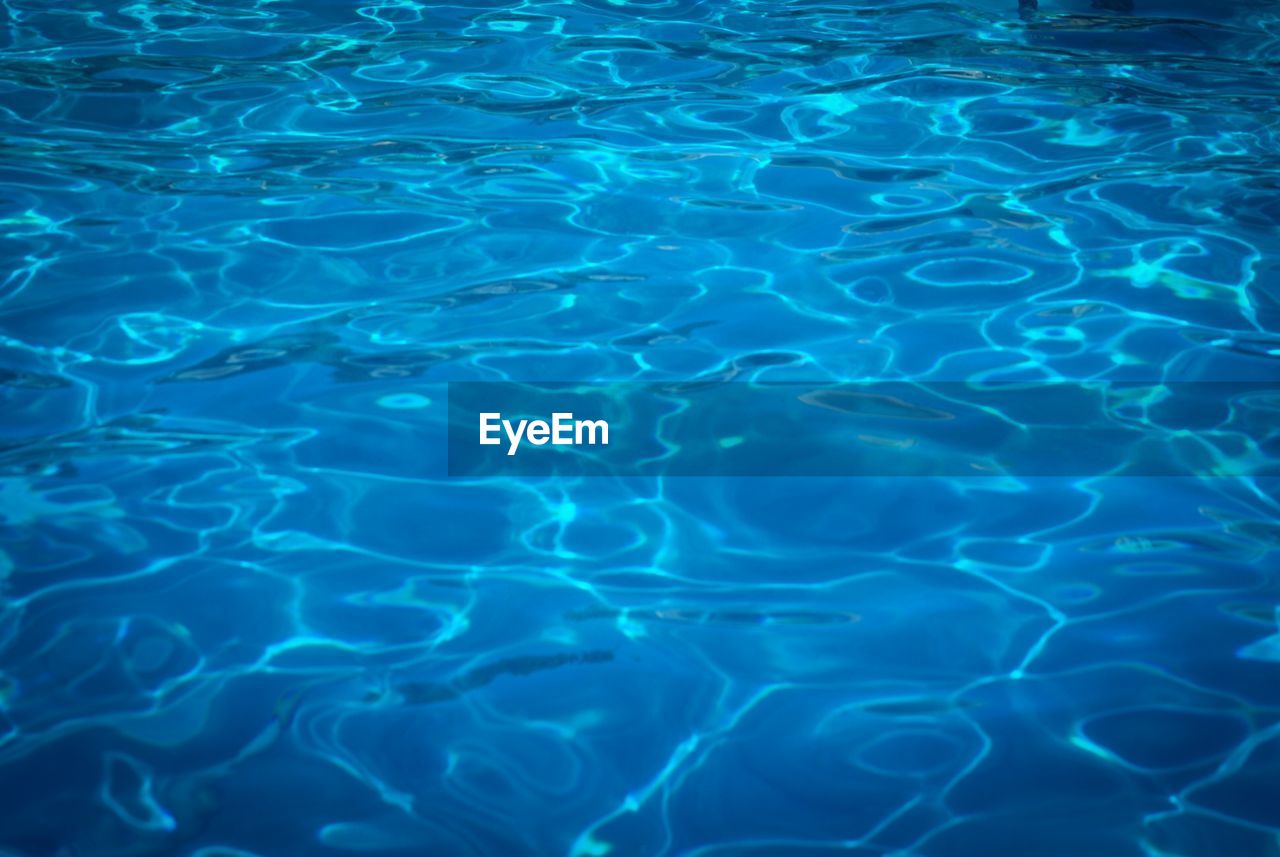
[247, 612]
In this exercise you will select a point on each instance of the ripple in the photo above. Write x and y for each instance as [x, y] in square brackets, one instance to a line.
[970, 271]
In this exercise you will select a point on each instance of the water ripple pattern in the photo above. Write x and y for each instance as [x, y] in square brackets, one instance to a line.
[246, 243]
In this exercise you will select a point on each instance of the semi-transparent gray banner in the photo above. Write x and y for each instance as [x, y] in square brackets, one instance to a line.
[882, 428]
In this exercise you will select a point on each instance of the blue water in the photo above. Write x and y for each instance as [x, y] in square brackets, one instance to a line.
[247, 613]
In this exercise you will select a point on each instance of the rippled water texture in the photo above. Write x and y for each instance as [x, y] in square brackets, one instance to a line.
[246, 612]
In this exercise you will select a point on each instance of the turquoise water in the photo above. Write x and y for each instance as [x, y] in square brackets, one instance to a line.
[247, 611]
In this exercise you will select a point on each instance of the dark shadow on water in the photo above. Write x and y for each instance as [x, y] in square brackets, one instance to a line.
[427, 692]
[1026, 8]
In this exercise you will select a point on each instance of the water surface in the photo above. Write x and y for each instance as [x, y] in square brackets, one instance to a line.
[247, 613]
